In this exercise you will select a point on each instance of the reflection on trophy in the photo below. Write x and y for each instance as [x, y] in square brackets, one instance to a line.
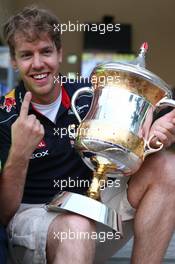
[113, 138]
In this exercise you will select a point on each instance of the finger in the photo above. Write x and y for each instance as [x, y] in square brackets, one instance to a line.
[155, 142]
[166, 139]
[38, 126]
[31, 118]
[161, 134]
[169, 126]
[171, 114]
[42, 129]
[25, 105]
[37, 123]
[163, 130]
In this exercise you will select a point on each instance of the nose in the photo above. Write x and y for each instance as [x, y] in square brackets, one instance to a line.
[37, 62]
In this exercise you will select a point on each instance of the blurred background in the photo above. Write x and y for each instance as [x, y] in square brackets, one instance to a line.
[151, 21]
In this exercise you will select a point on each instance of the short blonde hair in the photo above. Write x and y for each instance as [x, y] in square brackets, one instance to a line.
[31, 22]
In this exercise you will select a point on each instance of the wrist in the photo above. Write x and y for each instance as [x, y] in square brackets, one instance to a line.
[17, 155]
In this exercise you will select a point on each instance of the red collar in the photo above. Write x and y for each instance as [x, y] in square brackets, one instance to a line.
[65, 98]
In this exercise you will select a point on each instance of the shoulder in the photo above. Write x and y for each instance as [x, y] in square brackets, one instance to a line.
[72, 86]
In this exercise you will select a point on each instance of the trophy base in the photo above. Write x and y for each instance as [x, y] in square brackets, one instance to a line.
[87, 207]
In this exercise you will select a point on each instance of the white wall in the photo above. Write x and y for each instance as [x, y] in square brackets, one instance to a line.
[7, 8]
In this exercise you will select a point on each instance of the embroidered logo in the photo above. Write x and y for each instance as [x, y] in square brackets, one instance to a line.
[8, 103]
[42, 144]
[40, 154]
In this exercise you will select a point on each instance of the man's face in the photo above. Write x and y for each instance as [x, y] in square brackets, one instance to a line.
[38, 62]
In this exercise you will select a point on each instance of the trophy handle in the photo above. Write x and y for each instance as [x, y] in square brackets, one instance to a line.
[148, 149]
[74, 98]
[165, 102]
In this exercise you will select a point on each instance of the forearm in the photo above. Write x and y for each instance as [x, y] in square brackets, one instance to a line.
[12, 183]
[26, 134]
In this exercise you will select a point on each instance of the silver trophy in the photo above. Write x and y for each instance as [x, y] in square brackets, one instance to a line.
[113, 138]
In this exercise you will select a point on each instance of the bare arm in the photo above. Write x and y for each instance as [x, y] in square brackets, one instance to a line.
[27, 132]
[12, 183]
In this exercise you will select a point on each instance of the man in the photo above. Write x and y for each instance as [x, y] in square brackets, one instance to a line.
[34, 156]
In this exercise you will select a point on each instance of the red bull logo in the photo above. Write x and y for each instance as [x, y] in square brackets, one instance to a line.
[8, 103]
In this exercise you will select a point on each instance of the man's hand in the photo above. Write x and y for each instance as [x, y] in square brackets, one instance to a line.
[27, 133]
[27, 130]
[164, 130]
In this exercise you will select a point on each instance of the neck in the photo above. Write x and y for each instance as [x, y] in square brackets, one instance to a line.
[47, 98]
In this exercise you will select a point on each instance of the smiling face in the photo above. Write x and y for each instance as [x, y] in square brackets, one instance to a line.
[38, 62]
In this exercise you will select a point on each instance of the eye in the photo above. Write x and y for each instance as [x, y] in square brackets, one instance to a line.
[47, 52]
[25, 55]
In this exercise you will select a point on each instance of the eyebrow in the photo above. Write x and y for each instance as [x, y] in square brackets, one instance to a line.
[43, 48]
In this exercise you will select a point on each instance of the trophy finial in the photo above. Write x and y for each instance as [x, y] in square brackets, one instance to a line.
[140, 60]
[144, 47]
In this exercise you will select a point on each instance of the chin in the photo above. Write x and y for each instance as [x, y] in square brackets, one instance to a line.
[41, 89]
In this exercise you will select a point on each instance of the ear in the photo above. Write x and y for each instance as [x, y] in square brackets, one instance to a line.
[14, 64]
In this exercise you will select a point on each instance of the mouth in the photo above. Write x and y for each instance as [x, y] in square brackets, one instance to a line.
[40, 78]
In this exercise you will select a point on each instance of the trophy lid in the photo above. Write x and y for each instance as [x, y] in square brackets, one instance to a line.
[137, 67]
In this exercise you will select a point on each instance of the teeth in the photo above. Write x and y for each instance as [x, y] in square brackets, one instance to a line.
[40, 76]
